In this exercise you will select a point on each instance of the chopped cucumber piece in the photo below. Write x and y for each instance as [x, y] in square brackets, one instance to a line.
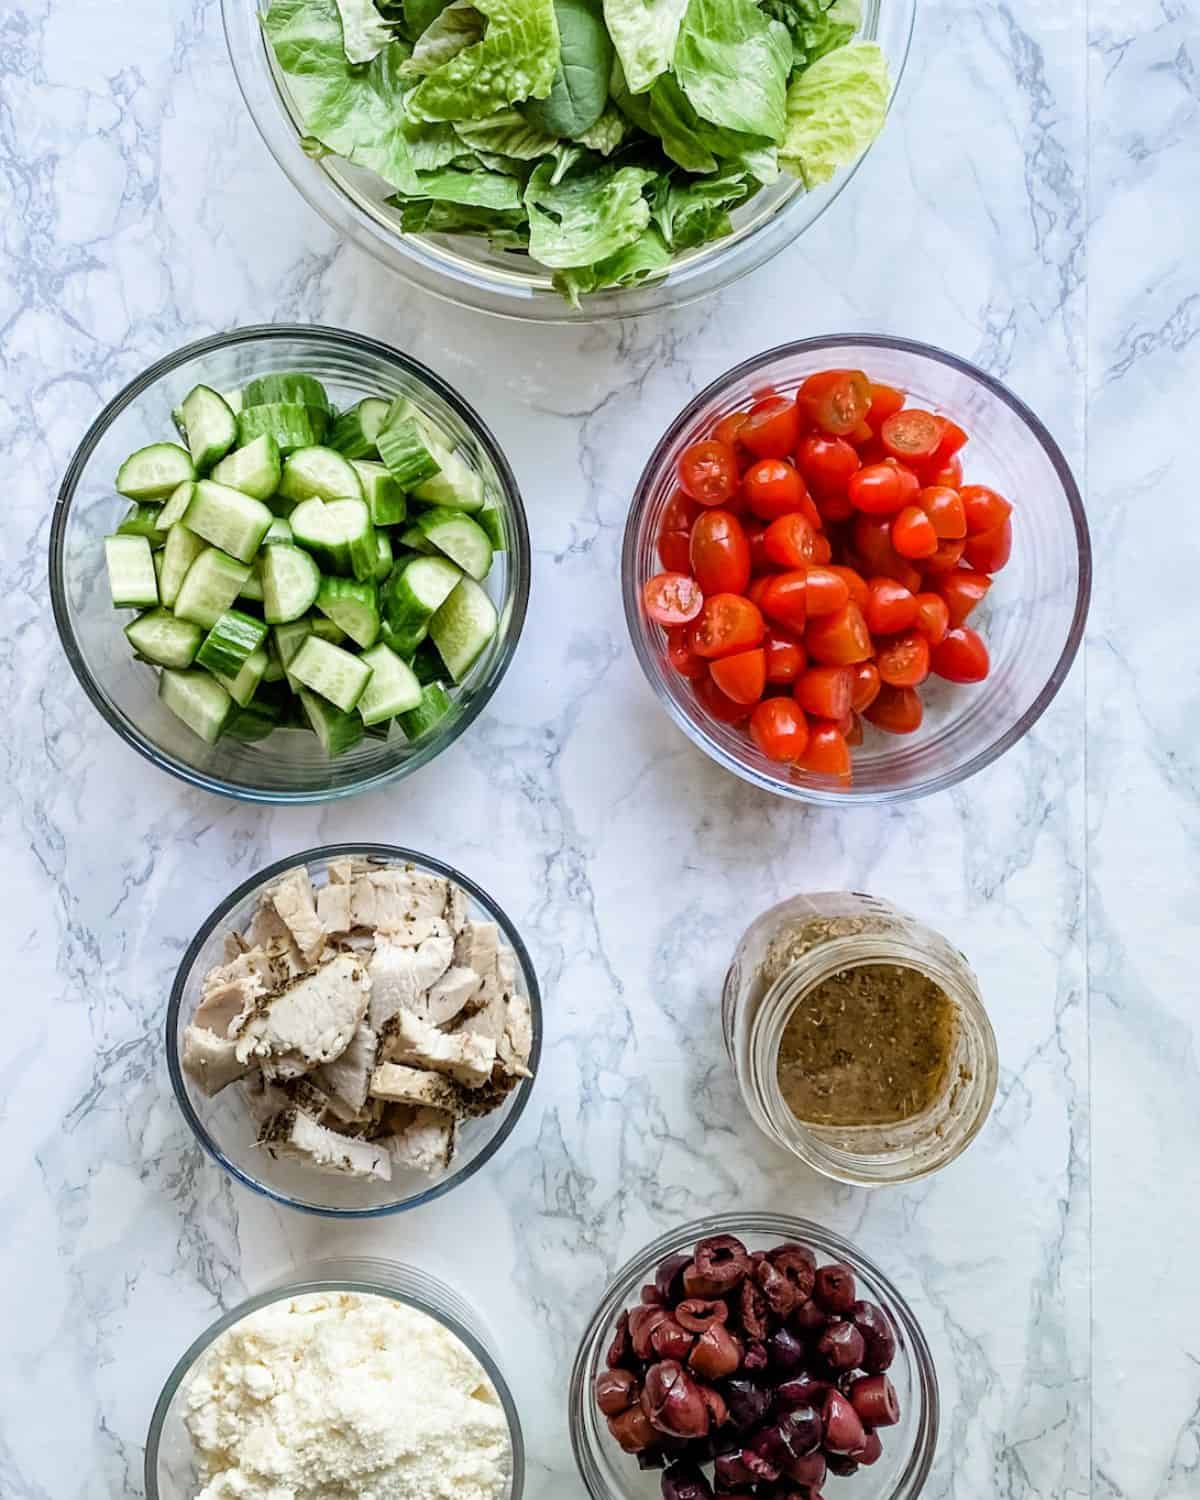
[132, 580]
[293, 387]
[252, 589]
[416, 540]
[278, 531]
[353, 607]
[413, 592]
[254, 469]
[405, 641]
[463, 627]
[435, 704]
[211, 427]
[335, 674]
[159, 555]
[338, 533]
[427, 664]
[319, 473]
[182, 549]
[290, 424]
[142, 520]
[288, 639]
[384, 497]
[323, 626]
[161, 638]
[243, 686]
[212, 583]
[491, 518]
[337, 731]
[355, 431]
[253, 722]
[406, 445]
[230, 643]
[290, 580]
[228, 519]
[393, 688]
[198, 699]
[459, 537]
[456, 485]
[152, 473]
[274, 671]
[384, 559]
[176, 507]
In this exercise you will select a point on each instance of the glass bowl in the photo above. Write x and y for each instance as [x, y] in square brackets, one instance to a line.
[223, 1124]
[908, 1447]
[170, 1471]
[1032, 619]
[289, 766]
[466, 270]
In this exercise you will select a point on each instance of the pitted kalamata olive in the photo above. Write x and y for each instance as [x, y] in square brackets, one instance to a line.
[620, 1351]
[799, 1265]
[768, 1444]
[722, 1260]
[841, 1465]
[730, 1473]
[642, 1323]
[792, 1250]
[632, 1429]
[841, 1346]
[669, 1341]
[616, 1391]
[651, 1458]
[716, 1353]
[685, 1481]
[834, 1288]
[871, 1451]
[669, 1277]
[808, 1318]
[800, 1431]
[801, 1390]
[673, 1401]
[699, 1313]
[752, 1309]
[718, 1412]
[785, 1351]
[747, 1401]
[651, 1297]
[756, 1456]
[755, 1357]
[874, 1399]
[809, 1470]
[776, 1288]
[844, 1432]
[878, 1335]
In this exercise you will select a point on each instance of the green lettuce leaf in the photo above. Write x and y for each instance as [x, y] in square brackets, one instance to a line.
[644, 33]
[691, 211]
[835, 109]
[504, 230]
[457, 27]
[691, 142]
[517, 59]
[364, 32]
[478, 189]
[507, 133]
[415, 16]
[580, 89]
[353, 111]
[609, 131]
[733, 62]
[816, 26]
[586, 217]
[647, 255]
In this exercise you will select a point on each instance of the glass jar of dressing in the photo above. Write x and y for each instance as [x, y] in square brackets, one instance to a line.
[858, 1038]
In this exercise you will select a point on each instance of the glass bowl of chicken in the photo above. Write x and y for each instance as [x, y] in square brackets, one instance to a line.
[354, 1030]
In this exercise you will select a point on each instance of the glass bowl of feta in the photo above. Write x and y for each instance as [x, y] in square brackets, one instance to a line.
[354, 1030]
[356, 1375]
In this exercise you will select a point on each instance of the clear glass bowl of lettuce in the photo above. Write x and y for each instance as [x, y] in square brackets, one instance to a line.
[569, 159]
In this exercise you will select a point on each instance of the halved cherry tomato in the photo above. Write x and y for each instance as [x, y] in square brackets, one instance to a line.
[854, 734]
[865, 685]
[779, 729]
[825, 691]
[680, 655]
[912, 435]
[720, 553]
[675, 551]
[947, 474]
[827, 753]
[827, 591]
[743, 676]
[890, 606]
[873, 543]
[786, 657]
[773, 489]
[990, 550]
[912, 533]
[984, 508]
[897, 710]
[903, 661]
[863, 433]
[681, 510]
[789, 542]
[885, 400]
[758, 587]
[877, 490]
[910, 485]
[953, 438]
[785, 599]
[771, 428]
[708, 472]
[933, 617]
[822, 549]
[946, 557]
[839, 639]
[726, 624]
[827, 464]
[754, 535]
[728, 428]
[962, 590]
[962, 656]
[856, 584]
[836, 401]
[672, 598]
[717, 704]
[944, 507]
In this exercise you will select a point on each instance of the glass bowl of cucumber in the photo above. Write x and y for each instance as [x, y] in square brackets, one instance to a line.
[288, 564]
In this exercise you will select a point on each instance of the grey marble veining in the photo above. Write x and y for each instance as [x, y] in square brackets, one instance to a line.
[138, 209]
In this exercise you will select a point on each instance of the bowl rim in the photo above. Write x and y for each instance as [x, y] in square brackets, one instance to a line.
[394, 854]
[756, 366]
[312, 1281]
[538, 304]
[745, 1225]
[352, 343]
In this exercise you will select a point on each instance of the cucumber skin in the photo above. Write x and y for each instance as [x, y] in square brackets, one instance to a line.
[435, 704]
[337, 731]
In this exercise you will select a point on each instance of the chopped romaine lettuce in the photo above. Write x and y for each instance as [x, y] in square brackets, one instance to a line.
[732, 62]
[586, 217]
[364, 31]
[516, 59]
[644, 32]
[580, 89]
[835, 109]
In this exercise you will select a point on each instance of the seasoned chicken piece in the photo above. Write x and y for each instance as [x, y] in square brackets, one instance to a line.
[293, 1133]
[401, 975]
[348, 1076]
[426, 1144]
[263, 1097]
[341, 871]
[465, 1058]
[231, 946]
[313, 1019]
[292, 898]
[392, 900]
[229, 993]
[452, 994]
[333, 909]
[456, 908]
[476, 947]
[415, 1086]
[211, 1060]
[270, 932]
[514, 1047]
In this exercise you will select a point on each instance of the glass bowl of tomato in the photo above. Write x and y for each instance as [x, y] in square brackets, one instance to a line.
[856, 568]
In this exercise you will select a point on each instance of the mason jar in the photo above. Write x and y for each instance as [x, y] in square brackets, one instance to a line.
[793, 948]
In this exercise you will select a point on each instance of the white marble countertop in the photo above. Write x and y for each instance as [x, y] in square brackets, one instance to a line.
[1032, 206]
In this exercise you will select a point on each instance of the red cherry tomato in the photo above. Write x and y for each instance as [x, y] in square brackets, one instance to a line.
[708, 472]
[944, 507]
[729, 428]
[743, 676]
[988, 551]
[836, 401]
[903, 661]
[910, 485]
[825, 692]
[827, 591]
[681, 510]
[827, 464]
[885, 400]
[754, 535]
[771, 428]
[962, 590]
[674, 551]
[718, 705]
[720, 553]
[785, 599]
[946, 557]
[865, 685]
[876, 490]
[856, 584]
[953, 438]
[672, 598]
[897, 710]
[911, 436]
[873, 543]
[786, 657]
[772, 489]
[758, 587]
[933, 617]
[726, 624]
[679, 654]
[984, 509]
[913, 534]
[853, 734]
[839, 639]
[822, 549]
[962, 656]
[890, 607]
[779, 729]
[827, 753]
[789, 542]
[947, 474]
